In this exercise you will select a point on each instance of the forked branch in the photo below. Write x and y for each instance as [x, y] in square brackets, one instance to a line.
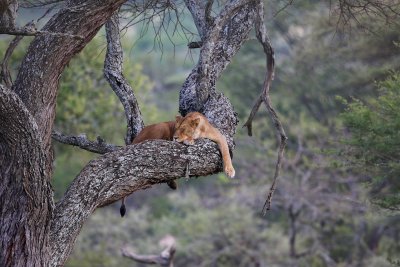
[262, 37]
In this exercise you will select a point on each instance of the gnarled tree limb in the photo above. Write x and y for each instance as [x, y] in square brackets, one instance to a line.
[99, 146]
[113, 74]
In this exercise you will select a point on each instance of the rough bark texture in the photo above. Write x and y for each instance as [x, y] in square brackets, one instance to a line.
[113, 73]
[99, 146]
[25, 193]
[8, 13]
[223, 39]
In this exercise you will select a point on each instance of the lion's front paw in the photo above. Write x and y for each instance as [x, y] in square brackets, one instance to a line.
[189, 142]
[230, 171]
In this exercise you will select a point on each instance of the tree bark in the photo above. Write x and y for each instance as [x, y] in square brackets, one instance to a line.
[26, 196]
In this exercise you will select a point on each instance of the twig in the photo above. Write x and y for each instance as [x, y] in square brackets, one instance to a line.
[262, 37]
[99, 146]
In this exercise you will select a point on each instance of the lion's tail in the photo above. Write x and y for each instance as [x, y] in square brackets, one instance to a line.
[122, 209]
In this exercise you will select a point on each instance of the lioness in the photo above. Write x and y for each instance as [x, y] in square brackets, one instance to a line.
[195, 125]
[162, 130]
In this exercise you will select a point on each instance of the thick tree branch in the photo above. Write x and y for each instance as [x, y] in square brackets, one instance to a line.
[198, 10]
[224, 38]
[113, 74]
[99, 146]
[117, 174]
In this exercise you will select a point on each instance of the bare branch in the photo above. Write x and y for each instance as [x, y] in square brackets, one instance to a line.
[113, 74]
[262, 37]
[39, 3]
[349, 12]
[164, 259]
[199, 9]
[99, 146]
[34, 32]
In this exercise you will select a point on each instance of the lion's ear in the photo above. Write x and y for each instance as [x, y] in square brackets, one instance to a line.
[195, 122]
[178, 118]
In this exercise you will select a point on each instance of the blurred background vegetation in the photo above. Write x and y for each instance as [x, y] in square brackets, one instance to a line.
[337, 90]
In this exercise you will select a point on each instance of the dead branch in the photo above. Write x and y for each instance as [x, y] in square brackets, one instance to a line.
[99, 146]
[117, 81]
[350, 12]
[262, 37]
[164, 259]
[34, 32]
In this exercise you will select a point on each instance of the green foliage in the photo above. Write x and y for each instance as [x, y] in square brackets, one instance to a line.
[374, 143]
[86, 104]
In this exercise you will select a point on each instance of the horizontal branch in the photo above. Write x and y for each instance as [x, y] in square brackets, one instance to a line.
[115, 175]
[99, 146]
[33, 32]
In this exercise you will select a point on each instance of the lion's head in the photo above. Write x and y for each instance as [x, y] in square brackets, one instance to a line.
[186, 129]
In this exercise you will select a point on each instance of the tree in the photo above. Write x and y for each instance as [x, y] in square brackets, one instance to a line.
[35, 231]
